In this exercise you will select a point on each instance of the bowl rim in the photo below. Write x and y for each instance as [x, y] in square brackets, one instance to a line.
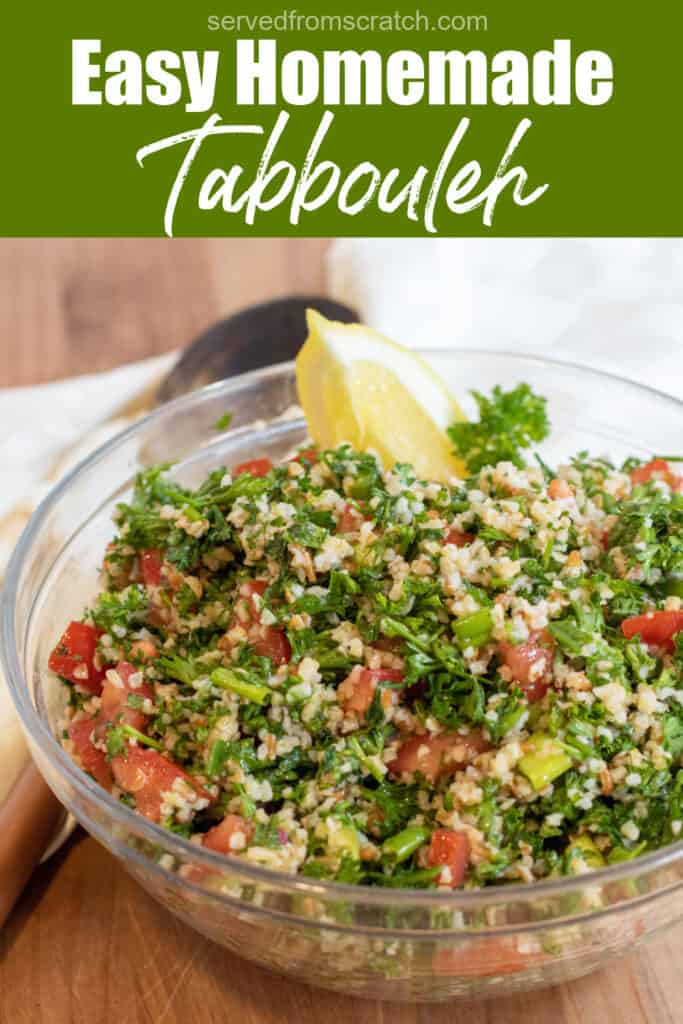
[40, 735]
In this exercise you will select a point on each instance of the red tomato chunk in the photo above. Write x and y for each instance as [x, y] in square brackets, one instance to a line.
[656, 628]
[350, 520]
[148, 775]
[256, 467]
[222, 838]
[435, 756]
[143, 649]
[486, 958]
[88, 756]
[558, 489]
[267, 641]
[531, 665]
[656, 469]
[459, 538]
[116, 690]
[273, 644]
[355, 693]
[307, 457]
[450, 850]
[150, 567]
[74, 657]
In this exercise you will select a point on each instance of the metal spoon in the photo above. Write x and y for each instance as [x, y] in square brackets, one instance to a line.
[272, 332]
[258, 336]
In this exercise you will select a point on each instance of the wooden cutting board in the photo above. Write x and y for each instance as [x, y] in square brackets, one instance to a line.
[86, 945]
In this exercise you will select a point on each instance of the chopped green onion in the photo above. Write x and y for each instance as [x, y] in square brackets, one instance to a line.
[404, 844]
[509, 719]
[619, 854]
[229, 680]
[583, 850]
[344, 840]
[146, 741]
[248, 805]
[223, 422]
[182, 669]
[546, 762]
[412, 879]
[474, 630]
[217, 757]
[362, 486]
[366, 762]
[548, 552]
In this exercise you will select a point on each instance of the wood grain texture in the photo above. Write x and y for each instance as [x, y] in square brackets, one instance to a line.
[84, 305]
[86, 945]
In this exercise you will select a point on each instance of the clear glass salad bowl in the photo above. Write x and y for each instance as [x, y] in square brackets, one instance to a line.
[385, 943]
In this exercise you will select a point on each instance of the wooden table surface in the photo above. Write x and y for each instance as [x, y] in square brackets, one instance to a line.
[86, 944]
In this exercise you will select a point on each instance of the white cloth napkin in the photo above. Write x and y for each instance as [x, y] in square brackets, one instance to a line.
[43, 432]
[614, 304]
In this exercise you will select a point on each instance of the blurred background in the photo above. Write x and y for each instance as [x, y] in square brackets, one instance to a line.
[74, 306]
[83, 305]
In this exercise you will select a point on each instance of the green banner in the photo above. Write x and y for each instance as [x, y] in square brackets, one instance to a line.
[350, 119]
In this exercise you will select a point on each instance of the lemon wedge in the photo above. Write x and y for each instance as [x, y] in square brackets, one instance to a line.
[356, 385]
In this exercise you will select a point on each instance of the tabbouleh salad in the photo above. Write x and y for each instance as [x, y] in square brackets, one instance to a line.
[327, 668]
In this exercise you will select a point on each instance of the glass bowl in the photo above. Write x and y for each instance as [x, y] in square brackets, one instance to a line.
[389, 944]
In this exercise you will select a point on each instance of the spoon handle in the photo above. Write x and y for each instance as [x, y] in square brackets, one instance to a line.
[271, 332]
[28, 819]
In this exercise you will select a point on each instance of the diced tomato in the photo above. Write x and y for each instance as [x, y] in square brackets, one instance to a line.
[87, 755]
[74, 657]
[656, 469]
[256, 467]
[558, 489]
[219, 837]
[143, 649]
[459, 538]
[267, 641]
[251, 591]
[247, 610]
[114, 702]
[531, 664]
[484, 958]
[643, 474]
[150, 567]
[148, 775]
[357, 690]
[273, 644]
[450, 850]
[656, 628]
[388, 675]
[435, 756]
[604, 540]
[307, 457]
[350, 520]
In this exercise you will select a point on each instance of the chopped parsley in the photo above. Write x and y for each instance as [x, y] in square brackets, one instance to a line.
[223, 422]
[509, 422]
[361, 676]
